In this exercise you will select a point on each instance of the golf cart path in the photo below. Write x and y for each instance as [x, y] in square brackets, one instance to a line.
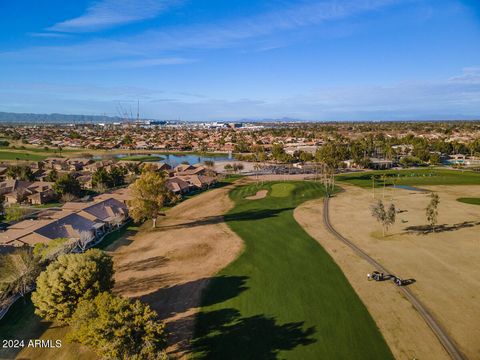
[448, 344]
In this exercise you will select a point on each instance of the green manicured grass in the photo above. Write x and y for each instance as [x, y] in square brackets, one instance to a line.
[11, 155]
[472, 201]
[144, 158]
[282, 189]
[413, 177]
[284, 297]
[47, 206]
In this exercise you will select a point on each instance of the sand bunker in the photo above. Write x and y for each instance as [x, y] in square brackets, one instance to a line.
[261, 194]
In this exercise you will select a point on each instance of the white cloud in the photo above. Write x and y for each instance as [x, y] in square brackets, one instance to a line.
[109, 13]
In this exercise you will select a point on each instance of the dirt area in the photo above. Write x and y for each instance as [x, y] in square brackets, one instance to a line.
[443, 263]
[168, 267]
[261, 194]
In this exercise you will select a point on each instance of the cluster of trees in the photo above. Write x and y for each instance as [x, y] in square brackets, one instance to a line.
[20, 172]
[384, 216]
[387, 216]
[108, 179]
[67, 186]
[75, 289]
[235, 167]
[340, 148]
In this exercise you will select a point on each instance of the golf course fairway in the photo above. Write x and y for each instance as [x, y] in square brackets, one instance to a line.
[284, 297]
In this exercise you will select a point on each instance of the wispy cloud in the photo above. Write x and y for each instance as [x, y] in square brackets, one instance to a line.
[109, 13]
[48, 35]
[154, 43]
[289, 18]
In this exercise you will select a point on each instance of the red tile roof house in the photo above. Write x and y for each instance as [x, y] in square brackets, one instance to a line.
[198, 181]
[35, 193]
[178, 186]
[97, 218]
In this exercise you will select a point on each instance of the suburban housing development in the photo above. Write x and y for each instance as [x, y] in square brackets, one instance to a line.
[240, 180]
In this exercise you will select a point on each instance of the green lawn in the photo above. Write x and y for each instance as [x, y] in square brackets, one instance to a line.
[413, 177]
[282, 189]
[144, 158]
[284, 297]
[48, 205]
[11, 155]
[472, 201]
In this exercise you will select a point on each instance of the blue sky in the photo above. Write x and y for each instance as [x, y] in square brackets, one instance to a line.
[235, 59]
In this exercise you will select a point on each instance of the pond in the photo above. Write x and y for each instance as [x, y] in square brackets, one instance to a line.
[176, 159]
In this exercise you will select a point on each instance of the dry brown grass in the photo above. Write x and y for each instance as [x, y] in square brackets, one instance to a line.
[168, 267]
[444, 263]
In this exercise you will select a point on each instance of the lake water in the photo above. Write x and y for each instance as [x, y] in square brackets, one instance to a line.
[174, 160]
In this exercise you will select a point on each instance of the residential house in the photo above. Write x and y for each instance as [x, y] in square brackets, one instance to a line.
[96, 218]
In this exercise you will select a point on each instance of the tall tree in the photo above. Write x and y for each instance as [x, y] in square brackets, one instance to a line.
[73, 277]
[20, 172]
[117, 328]
[117, 176]
[150, 195]
[67, 184]
[101, 178]
[52, 176]
[432, 210]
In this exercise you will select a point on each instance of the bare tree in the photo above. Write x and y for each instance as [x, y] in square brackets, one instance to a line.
[85, 238]
[385, 217]
[432, 210]
[20, 269]
[118, 220]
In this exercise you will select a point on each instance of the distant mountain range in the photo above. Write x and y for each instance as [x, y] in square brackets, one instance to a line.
[8, 117]
[27, 118]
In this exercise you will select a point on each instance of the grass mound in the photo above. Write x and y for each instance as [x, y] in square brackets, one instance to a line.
[284, 297]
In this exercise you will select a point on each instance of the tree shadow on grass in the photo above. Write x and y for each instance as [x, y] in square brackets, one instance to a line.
[427, 229]
[21, 323]
[144, 264]
[136, 284]
[224, 334]
[240, 216]
[178, 299]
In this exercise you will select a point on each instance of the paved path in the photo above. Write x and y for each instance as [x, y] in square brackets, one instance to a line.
[441, 334]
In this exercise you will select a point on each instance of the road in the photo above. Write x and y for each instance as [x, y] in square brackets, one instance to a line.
[438, 330]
